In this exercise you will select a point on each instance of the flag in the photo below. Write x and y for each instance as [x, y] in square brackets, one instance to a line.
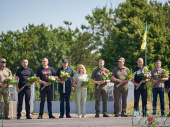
[143, 46]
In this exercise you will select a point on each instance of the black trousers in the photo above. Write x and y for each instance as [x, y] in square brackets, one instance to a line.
[27, 92]
[142, 90]
[65, 96]
[169, 101]
[46, 91]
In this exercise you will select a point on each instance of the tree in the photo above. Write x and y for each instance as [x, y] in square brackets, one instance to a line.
[121, 32]
[34, 43]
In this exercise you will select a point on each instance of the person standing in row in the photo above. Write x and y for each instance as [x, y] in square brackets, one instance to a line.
[102, 90]
[167, 89]
[68, 88]
[142, 89]
[23, 74]
[81, 95]
[43, 73]
[158, 87]
[119, 74]
[4, 73]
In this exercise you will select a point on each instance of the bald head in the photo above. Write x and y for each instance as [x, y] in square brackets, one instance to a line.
[140, 62]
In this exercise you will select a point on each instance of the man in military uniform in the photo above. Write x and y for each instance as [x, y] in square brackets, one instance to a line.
[119, 74]
[102, 90]
[4, 73]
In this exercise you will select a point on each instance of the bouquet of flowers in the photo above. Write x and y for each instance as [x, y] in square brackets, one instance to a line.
[106, 75]
[85, 83]
[11, 81]
[162, 74]
[130, 76]
[152, 122]
[63, 77]
[51, 79]
[146, 74]
[31, 80]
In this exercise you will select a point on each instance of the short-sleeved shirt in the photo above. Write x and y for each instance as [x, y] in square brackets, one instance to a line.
[5, 73]
[79, 78]
[138, 76]
[68, 82]
[44, 73]
[155, 74]
[24, 74]
[120, 73]
[97, 74]
[167, 83]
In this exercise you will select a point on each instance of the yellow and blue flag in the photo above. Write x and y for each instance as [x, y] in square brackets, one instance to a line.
[143, 46]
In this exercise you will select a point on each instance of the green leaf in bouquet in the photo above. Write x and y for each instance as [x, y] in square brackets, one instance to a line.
[14, 82]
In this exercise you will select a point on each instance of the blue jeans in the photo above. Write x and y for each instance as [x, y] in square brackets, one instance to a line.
[159, 91]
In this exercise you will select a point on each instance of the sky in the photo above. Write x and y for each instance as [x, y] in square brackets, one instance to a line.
[16, 14]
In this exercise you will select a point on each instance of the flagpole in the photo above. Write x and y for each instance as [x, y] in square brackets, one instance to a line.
[146, 46]
[145, 57]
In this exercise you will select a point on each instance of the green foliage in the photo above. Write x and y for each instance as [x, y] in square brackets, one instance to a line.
[110, 34]
[121, 31]
[37, 42]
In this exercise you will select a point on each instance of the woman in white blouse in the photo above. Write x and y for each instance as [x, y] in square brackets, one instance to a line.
[81, 95]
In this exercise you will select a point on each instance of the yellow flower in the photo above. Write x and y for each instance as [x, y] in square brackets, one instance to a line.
[61, 73]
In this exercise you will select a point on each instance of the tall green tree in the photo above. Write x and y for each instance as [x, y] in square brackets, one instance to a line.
[121, 31]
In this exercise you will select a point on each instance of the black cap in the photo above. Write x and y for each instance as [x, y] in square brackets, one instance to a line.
[64, 61]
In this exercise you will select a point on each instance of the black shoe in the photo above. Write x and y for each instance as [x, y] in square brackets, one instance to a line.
[124, 115]
[28, 117]
[68, 116]
[116, 115]
[105, 115]
[51, 117]
[39, 117]
[61, 116]
[18, 117]
[97, 115]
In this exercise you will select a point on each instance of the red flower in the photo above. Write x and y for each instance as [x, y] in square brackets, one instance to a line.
[106, 71]
[102, 73]
[150, 118]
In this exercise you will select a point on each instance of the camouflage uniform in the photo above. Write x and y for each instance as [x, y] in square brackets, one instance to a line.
[5, 91]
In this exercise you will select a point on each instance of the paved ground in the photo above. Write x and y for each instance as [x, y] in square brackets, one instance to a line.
[89, 121]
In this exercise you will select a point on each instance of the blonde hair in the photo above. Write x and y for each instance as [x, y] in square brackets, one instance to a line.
[101, 60]
[84, 69]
